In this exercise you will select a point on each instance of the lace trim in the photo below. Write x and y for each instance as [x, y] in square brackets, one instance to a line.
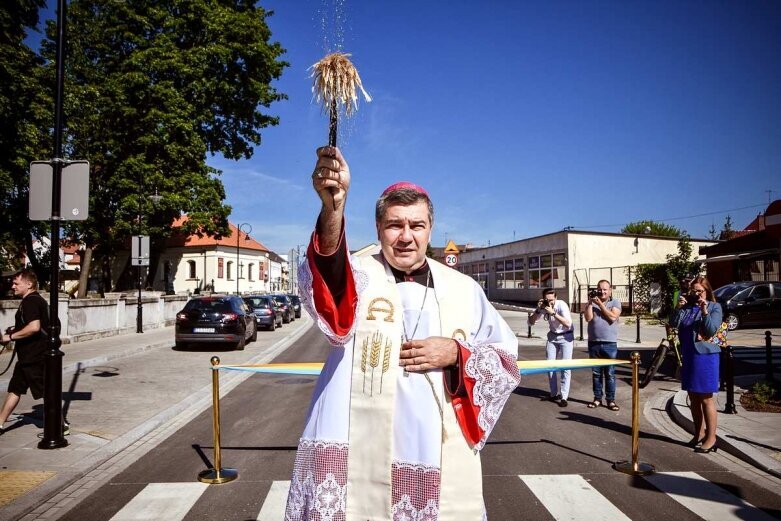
[318, 488]
[415, 491]
[496, 376]
[308, 301]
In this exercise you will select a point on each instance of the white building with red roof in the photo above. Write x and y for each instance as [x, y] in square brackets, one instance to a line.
[193, 263]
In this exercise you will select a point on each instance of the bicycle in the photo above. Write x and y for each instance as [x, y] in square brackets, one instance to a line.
[669, 347]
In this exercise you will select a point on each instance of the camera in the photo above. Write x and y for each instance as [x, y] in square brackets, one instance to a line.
[594, 293]
[543, 303]
[692, 299]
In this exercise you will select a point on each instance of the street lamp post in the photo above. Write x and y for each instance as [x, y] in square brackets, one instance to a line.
[238, 247]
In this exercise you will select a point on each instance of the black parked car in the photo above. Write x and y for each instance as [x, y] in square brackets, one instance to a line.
[216, 319]
[296, 302]
[750, 303]
[267, 312]
[288, 315]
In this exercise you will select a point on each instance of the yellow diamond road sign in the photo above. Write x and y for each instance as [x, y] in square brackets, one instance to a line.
[451, 247]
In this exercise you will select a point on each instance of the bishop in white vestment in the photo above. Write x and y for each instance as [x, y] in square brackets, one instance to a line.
[420, 368]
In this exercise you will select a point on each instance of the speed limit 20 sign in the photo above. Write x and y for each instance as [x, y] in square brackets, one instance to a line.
[451, 259]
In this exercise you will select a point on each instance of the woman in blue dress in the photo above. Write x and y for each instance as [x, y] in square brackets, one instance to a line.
[698, 317]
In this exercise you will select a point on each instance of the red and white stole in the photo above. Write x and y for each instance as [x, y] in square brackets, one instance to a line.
[376, 348]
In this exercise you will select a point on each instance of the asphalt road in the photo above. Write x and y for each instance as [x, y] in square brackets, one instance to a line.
[542, 462]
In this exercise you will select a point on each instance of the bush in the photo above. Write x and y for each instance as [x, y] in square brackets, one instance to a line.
[764, 391]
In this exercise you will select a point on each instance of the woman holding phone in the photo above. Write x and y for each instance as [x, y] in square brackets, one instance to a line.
[698, 317]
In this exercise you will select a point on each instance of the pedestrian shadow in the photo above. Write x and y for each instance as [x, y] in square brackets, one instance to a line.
[532, 392]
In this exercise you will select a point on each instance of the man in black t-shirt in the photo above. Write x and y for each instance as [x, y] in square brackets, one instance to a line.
[30, 335]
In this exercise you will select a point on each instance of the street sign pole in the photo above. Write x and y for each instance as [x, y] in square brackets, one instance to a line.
[139, 256]
[52, 388]
[140, 314]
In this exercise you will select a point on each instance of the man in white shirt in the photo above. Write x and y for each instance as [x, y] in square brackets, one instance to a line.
[561, 338]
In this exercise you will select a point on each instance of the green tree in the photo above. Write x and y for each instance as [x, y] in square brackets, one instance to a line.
[652, 228]
[726, 231]
[668, 275]
[25, 110]
[152, 87]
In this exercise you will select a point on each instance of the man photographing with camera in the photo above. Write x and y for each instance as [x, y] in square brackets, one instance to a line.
[602, 312]
[561, 338]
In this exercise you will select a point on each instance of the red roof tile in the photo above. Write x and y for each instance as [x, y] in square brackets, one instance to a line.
[193, 240]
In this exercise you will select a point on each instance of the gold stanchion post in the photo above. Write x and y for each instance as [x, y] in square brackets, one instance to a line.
[634, 467]
[217, 475]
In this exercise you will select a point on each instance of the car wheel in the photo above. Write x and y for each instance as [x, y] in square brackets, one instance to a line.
[240, 344]
[254, 335]
[273, 325]
[733, 322]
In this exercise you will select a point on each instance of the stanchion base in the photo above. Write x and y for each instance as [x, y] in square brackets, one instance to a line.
[643, 469]
[53, 444]
[216, 477]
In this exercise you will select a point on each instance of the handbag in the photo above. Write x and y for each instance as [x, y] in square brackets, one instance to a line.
[713, 344]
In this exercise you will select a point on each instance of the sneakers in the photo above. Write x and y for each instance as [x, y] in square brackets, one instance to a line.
[563, 402]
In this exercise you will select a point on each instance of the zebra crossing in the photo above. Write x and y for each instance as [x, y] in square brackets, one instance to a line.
[564, 496]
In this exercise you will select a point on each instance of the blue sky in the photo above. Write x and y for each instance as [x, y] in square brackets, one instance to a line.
[522, 118]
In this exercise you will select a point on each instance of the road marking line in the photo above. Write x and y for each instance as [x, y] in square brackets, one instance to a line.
[706, 499]
[571, 497]
[274, 504]
[169, 501]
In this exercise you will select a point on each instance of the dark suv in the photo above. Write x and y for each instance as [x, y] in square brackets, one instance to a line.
[750, 303]
[216, 319]
[296, 303]
[287, 308]
[267, 312]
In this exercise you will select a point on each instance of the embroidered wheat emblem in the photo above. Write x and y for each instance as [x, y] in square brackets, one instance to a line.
[363, 361]
[385, 360]
[374, 356]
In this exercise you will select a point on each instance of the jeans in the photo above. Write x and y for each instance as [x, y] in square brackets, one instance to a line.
[606, 374]
[559, 348]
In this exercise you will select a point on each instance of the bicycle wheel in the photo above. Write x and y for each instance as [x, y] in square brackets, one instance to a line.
[656, 362]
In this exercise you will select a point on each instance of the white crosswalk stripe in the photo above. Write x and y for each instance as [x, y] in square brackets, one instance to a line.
[274, 505]
[564, 496]
[570, 497]
[169, 501]
[707, 500]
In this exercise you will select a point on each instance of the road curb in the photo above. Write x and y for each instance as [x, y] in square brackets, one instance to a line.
[681, 414]
[54, 498]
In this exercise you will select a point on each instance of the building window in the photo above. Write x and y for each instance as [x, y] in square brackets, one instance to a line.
[249, 271]
[220, 263]
[559, 268]
[191, 269]
[547, 271]
[229, 270]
